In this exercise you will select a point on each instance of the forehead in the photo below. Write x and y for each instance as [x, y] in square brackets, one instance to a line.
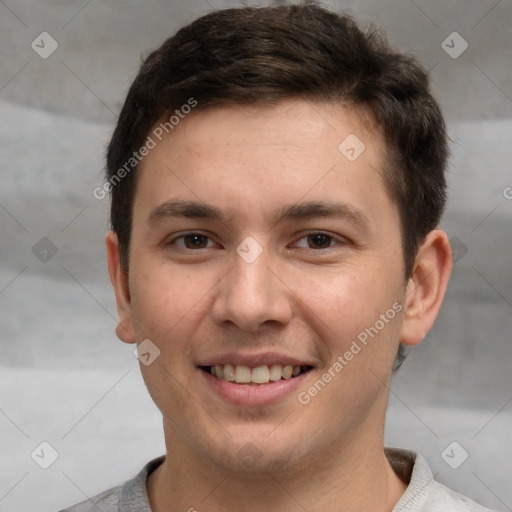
[254, 156]
[291, 123]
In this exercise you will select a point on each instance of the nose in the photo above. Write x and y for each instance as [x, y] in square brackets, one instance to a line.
[251, 296]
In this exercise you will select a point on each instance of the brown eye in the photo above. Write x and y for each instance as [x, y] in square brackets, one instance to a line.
[319, 241]
[195, 241]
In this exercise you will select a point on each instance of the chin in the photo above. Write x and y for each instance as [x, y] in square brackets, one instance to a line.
[250, 459]
[254, 455]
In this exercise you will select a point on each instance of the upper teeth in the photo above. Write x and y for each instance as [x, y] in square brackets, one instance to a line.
[258, 375]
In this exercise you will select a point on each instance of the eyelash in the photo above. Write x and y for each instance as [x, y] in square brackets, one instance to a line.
[332, 238]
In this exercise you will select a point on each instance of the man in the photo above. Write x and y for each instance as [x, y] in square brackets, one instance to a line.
[277, 179]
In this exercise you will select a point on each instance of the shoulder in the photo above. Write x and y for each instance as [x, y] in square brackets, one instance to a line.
[132, 495]
[107, 501]
[444, 499]
[424, 494]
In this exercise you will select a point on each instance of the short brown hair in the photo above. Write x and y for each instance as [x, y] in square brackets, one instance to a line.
[264, 55]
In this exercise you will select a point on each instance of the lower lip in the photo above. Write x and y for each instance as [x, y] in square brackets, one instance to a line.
[260, 394]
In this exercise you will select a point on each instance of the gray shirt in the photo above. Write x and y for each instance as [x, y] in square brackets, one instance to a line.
[423, 493]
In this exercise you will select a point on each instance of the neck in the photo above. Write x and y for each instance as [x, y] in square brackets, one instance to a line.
[348, 477]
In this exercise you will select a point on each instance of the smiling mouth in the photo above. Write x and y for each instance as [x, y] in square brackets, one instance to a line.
[241, 374]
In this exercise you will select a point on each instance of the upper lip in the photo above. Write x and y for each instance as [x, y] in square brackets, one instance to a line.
[253, 360]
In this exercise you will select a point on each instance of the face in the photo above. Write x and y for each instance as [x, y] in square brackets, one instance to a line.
[263, 252]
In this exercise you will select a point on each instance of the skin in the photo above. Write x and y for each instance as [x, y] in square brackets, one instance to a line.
[300, 297]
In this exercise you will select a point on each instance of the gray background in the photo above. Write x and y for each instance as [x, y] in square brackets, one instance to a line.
[66, 379]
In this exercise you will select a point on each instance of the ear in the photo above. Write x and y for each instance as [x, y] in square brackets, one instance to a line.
[119, 278]
[426, 287]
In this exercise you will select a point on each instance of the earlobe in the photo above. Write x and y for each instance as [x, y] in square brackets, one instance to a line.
[119, 278]
[426, 287]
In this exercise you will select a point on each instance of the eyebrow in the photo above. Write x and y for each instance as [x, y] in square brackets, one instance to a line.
[306, 210]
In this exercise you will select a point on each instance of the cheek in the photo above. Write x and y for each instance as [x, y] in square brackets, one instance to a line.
[343, 298]
[168, 308]
[351, 306]
[166, 301]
